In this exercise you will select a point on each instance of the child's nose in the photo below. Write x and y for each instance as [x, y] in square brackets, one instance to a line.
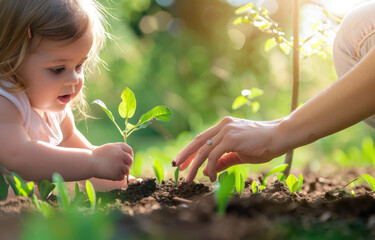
[73, 79]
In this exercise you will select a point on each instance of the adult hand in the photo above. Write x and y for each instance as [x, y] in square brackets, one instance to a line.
[230, 142]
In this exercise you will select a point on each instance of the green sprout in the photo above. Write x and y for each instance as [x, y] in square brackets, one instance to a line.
[45, 187]
[42, 206]
[159, 171]
[19, 187]
[223, 191]
[247, 97]
[370, 180]
[277, 169]
[126, 110]
[63, 196]
[239, 178]
[176, 173]
[255, 187]
[91, 194]
[294, 184]
[4, 186]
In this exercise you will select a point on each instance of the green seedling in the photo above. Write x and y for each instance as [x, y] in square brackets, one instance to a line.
[19, 187]
[370, 180]
[176, 174]
[293, 183]
[76, 189]
[127, 109]
[300, 182]
[247, 97]
[239, 177]
[45, 187]
[223, 191]
[277, 169]
[281, 177]
[4, 186]
[79, 198]
[63, 196]
[255, 187]
[91, 194]
[159, 171]
[42, 207]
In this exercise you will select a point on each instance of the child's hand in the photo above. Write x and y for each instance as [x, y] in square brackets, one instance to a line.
[112, 161]
[132, 179]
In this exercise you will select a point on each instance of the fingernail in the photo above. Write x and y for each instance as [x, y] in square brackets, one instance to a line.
[174, 163]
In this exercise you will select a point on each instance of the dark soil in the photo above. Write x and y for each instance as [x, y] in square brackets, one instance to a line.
[324, 209]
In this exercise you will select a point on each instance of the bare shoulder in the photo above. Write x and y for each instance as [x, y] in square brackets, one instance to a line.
[9, 112]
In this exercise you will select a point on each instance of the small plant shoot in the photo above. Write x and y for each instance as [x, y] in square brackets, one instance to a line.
[91, 194]
[3, 188]
[277, 169]
[247, 97]
[45, 187]
[63, 196]
[223, 191]
[293, 183]
[255, 187]
[127, 109]
[176, 174]
[19, 187]
[240, 175]
[370, 180]
[159, 171]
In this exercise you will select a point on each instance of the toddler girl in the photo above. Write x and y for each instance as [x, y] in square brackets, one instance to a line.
[46, 46]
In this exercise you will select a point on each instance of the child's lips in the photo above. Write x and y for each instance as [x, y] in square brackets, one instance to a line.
[64, 98]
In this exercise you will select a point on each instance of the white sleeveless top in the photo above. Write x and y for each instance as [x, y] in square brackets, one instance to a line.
[36, 127]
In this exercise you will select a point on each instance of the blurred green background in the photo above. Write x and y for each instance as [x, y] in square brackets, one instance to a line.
[187, 55]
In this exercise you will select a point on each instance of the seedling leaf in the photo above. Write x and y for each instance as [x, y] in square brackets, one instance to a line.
[63, 196]
[223, 191]
[270, 43]
[128, 105]
[255, 187]
[245, 8]
[292, 183]
[159, 171]
[176, 173]
[91, 193]
[76, 188]
[239, 102]
[159, 112]
[22, 188]
[109, 113]
[45, 187]
[370, 180]
[277, 169]
[12, 184]
[300, 182]
[281, 177]
[3, 188]
[240, 183]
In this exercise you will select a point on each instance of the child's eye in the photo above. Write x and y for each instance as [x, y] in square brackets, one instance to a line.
[79, 67]
[57, 70]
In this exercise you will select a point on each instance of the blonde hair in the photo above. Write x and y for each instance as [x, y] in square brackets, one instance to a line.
[57, 20]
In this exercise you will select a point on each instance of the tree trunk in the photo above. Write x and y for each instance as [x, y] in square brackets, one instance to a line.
[296, 74]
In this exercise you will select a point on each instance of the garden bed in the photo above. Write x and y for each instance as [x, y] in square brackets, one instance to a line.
[148, 210]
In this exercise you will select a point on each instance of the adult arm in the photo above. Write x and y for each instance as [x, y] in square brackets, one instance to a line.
[347, 101]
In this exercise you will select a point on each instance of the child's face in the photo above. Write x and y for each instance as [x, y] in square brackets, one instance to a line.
[53, 73]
